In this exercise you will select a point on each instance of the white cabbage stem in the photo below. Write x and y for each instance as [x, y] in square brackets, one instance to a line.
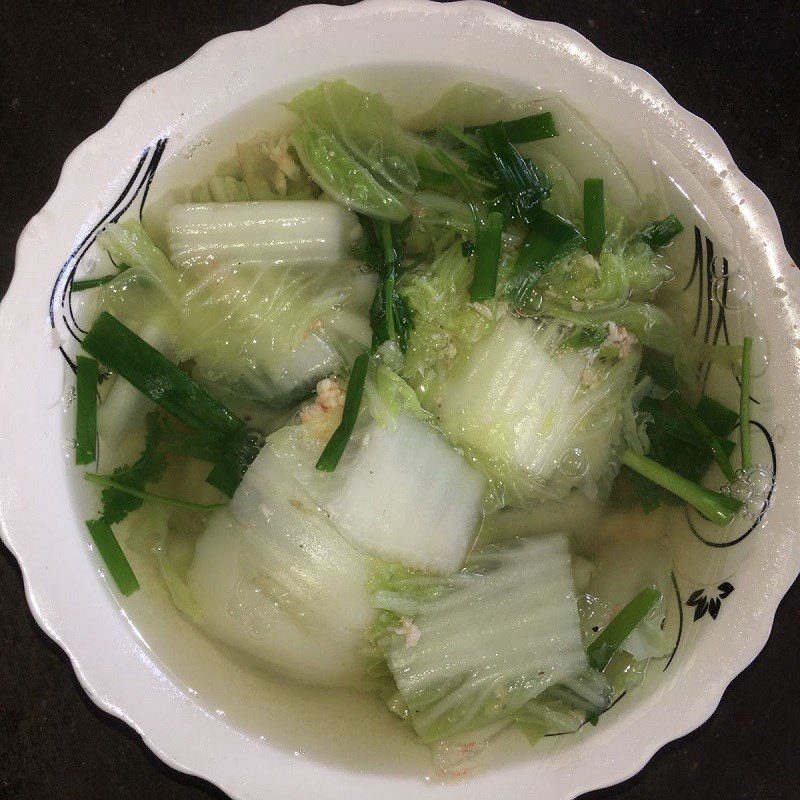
[267, 234]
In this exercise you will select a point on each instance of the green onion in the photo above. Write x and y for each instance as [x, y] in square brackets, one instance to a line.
[744, 404]
[549, 238]
[603, 648]
[88, 371]
[531, 129]
[435, 179]
[388, 300]
[110, 483]
[144, 367]
[519, 179]
[487, 258]
[223, 478]
[527, 129]
[460, 175]
[464, 139]
[111, 553]
[706, 436]
[714, 506]
[389, 315]
[658, 234]
[594, 215]
[384, 231]
[232, 458]
[352, 403]
[90, 283]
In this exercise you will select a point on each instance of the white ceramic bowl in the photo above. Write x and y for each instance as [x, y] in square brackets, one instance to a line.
[140, 661]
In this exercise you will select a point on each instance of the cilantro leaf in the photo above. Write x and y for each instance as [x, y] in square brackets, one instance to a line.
[673, 442]
[148, 468]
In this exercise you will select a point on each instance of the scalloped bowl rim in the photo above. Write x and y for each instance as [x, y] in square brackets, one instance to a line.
[175, 748]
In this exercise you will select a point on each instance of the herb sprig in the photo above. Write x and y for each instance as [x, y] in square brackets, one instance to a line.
[389, 315]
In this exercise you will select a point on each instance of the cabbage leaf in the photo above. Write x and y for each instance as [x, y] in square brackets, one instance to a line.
[473, 649]
[364, 123]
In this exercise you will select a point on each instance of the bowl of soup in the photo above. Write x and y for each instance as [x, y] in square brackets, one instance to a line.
[396, 404]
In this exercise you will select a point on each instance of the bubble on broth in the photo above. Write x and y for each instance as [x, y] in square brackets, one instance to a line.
[733, 292]
[751, 487]
[573, 463]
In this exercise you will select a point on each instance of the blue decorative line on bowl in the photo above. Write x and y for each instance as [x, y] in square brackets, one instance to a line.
[680, 621]
[708, 600]
[60, 311]
[711, 602]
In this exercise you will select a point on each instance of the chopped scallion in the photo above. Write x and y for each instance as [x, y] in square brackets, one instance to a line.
[714, 506]
[90, 283]
[594, 215]
[549, 238]
[744, 404]
[527, 129]
[237, 453]
[145, 368]
[659, 234]
[460, 175]
[462, 138]
[721, 420]
[523, 184]
[384, 231]
[435, 179]
[115, 560]
[677, 428]
[487, 258]
[88, 371]
[390, 318]
[388, 302]
[602, 649]
[109, 483]
[352, 403]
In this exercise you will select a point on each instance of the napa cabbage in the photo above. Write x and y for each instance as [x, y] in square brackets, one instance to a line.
[272, 577]
[473, 649]
[400, 491]
[263, 234]
[541, 418]
[268, 334]
[364, 123]
[617, 286]
[355, 150]
[446, 325]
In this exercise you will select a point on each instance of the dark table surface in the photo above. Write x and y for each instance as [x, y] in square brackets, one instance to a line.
[64, 69]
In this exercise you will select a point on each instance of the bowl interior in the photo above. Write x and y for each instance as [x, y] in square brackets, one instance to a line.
[710, 294]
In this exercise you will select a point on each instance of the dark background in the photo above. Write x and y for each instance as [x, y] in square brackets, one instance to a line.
[64, 69]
